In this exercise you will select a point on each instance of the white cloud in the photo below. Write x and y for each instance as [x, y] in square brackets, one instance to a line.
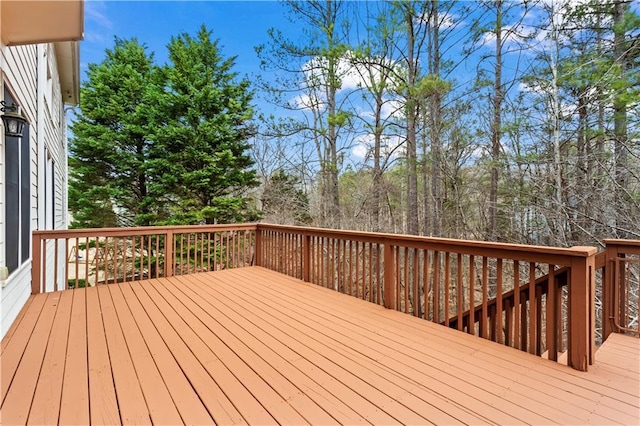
[363, 145]
[98, 21]
[308, 102]
[96, 11]
[360, 151]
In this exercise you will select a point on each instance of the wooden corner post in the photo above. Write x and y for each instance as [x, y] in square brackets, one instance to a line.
[306, 258]
[36, 266]
[581, 338]
[257, 253]
[389, 274]
[168, 254]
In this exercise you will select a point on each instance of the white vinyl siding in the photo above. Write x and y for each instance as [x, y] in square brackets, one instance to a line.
[30, 73]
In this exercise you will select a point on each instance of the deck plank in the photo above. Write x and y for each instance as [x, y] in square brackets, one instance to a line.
[218, 405]
[219, 305]
[74, 404]
[161, 406]
[289, 382]
[184, 396]
[353, 399]
[272, 357]
[250, 409]
[102, 394]
[131, 401]
[45, 408]
[17, 403]
[253, 346]
[273, 391]
[516, 388]
[13, 349]
[458, 345]
[17, 323]
[325, 336]
[368, 382]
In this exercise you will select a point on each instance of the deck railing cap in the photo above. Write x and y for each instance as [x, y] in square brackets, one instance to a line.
[578, 251]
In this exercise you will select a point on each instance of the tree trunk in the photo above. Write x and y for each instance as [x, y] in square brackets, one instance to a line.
[412, 174]
[496, 125]
[620, 120]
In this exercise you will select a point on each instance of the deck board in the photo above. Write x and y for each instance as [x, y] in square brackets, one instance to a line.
[99, 365]
[74, 403]
[156, 393]
[45, 407]
[450, 346]
[467, 385]
[186, 400]
[275, 356]
[443, 358]
[17, 402]
[252, 346]
[133, 405]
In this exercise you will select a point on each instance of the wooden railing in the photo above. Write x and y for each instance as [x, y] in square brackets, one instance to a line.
[443, 280]
[86, 257]
[536, 299]
[620, 266]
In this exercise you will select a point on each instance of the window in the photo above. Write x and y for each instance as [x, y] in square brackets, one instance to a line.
[17, 197]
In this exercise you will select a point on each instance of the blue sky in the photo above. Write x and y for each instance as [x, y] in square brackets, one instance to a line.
[239, 25]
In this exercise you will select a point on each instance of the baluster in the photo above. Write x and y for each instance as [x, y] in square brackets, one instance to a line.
[447, 276]
[459, 296]
[471, 328]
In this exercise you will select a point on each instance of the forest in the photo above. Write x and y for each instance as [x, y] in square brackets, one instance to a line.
[513, 121]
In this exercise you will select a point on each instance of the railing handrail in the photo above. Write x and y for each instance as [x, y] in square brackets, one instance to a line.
[139, 230]
[620, 242]
[452, 245]
[555, 255]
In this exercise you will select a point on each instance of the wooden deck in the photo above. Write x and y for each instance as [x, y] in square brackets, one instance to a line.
[252, 346]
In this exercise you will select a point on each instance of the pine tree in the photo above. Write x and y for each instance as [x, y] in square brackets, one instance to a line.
[112, 140]
[208, 123]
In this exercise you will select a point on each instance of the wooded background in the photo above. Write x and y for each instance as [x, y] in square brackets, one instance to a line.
[513, 121]
[495, 120]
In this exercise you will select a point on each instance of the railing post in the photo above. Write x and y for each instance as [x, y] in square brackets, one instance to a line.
[389, 274]
[168, 253]
[306, 258]
[257, 261]
[36, 266]
[581, 336]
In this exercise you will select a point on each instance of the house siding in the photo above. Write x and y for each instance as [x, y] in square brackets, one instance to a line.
[30, 73]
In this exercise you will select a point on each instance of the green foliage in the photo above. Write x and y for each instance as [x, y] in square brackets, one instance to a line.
[162, 144]
[207, 115]
[71, 283]
[111, 139]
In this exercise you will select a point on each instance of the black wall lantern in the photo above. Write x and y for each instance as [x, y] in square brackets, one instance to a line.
[13, 121]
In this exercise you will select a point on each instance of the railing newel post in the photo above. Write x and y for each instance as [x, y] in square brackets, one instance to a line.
[257, 252]
[581, 331]
[168, 253]
[306, 257]
[389, 274]
[36, 266]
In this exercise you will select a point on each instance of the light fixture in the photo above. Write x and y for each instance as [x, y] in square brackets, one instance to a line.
[13, 121]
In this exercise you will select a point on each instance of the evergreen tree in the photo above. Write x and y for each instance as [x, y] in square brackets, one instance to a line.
[156, 145]
[205, 137]
[112, 141]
